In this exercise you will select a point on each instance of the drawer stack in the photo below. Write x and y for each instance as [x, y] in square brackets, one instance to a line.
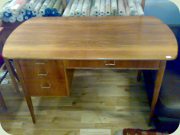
[44, 78]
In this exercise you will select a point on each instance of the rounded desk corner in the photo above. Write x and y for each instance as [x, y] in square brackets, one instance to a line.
[4, 55]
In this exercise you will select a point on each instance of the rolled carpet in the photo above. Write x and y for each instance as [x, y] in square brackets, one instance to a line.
[130, 131]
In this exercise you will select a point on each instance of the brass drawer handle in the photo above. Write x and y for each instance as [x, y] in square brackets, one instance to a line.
[42, 74]
[45, 87]
[111, 64]
[40, 63]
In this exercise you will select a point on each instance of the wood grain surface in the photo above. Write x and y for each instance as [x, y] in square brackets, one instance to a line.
[92, 38]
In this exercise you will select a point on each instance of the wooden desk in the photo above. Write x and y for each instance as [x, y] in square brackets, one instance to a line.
[47, 50]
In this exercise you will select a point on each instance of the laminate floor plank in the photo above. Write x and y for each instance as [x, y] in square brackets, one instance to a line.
[100, 99]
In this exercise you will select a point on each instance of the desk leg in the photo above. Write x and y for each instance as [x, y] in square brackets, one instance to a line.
[158, 82]
[139, 75]
[2, 102]
[31, 109]
[27, 96]
[10, 70]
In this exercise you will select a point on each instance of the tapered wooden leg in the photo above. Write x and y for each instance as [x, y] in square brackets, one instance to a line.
[27, 96]
[69, 76]
[10, 70]
[14, 72]
[2, 103]
[139, 75]
[31, 109]
[158, 82]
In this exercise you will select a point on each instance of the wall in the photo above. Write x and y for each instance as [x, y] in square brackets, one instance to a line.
[166, 10]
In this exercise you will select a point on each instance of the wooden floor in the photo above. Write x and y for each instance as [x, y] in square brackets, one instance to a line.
[100, 99]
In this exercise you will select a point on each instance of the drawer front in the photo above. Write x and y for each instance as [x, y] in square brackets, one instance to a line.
[46, 88]
[44, 78]
[36, 69]
[111, 64]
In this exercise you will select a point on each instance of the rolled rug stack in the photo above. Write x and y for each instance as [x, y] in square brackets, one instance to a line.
[3, 3]
[37, 8]
[73, 8]
[108, 7]
[86, 8]
[58, 8]
[121, 8]
[21, 10]
[103, 8]
[114, 7]
[96, 8]
[68, 8]
[51, 8]
[132, 7]
[12, 10]
[102, 11]
[78, 11]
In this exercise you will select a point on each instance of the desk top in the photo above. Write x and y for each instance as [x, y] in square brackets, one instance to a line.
[92, 38]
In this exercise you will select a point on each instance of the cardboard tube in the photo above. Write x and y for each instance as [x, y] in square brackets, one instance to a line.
[139, 8]
[86, 8]
[56, 7]
[20, 18]
[49, 7]
[102, 8]
[12, 19]
[30, 4]
[114, 8]
[44, 6]
[108, 7]
[68, 8]
[121, 8]
[132, 7]
[73, 8]
[38, 7]
[60, 11]
[96, 9]
[127, 8]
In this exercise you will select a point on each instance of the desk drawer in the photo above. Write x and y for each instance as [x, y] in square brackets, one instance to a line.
[37, 69]
[111, 64]
[46, 88]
